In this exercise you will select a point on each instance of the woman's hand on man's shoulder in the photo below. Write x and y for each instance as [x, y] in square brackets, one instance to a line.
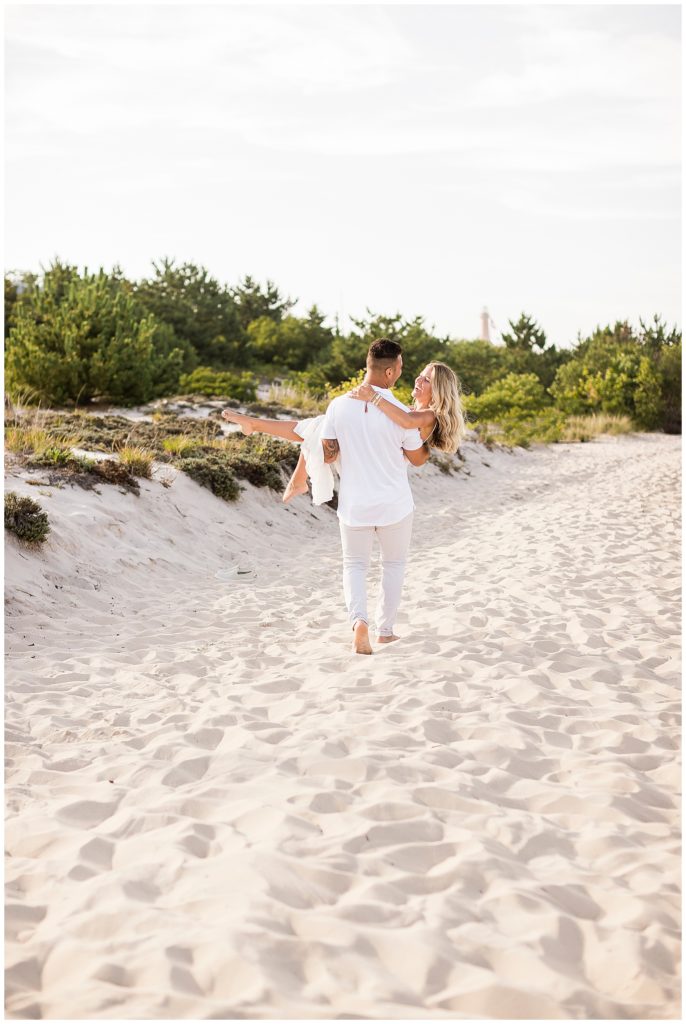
[363, 392]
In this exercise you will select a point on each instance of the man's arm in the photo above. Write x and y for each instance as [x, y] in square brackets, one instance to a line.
[419, 456]
[331, 449]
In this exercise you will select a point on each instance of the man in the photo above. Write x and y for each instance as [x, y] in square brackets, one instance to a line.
[374, 496]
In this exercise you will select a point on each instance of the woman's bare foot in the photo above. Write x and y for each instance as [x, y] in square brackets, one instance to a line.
[386, 639]
[361, 644]
[244, 422]
[293, 489]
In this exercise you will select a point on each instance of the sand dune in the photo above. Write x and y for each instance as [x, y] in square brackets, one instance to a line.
[216, 811]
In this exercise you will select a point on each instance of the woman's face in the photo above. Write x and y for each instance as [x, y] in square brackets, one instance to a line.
[422, 386]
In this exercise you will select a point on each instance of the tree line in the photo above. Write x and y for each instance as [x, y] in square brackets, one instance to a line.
[74, 336]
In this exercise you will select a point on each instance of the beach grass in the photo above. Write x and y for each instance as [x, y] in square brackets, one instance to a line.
[299, 400]
[139, 461]
[584, 428]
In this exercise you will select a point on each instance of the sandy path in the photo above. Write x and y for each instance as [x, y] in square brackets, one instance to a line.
[216, 811]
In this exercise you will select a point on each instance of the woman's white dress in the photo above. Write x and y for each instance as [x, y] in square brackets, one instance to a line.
[319, 472]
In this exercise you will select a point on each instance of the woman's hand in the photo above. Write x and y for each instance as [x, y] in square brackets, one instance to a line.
[364, 393]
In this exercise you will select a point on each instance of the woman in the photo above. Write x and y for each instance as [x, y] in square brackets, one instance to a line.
[437, 413]
[437, 409]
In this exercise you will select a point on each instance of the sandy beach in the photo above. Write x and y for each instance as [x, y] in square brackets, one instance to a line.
[215, 810]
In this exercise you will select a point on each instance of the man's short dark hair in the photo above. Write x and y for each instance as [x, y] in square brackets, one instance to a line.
[384, 352]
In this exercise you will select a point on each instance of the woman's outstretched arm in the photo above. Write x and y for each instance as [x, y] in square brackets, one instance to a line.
[414, 418]
[253, 425]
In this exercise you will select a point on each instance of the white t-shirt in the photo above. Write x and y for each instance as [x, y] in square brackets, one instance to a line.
[374, 488]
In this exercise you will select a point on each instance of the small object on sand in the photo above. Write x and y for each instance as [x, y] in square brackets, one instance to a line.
[234, 574]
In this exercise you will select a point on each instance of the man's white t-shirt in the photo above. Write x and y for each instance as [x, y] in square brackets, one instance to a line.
[374, 488]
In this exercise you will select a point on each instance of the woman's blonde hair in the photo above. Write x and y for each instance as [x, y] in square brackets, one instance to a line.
[446, 403]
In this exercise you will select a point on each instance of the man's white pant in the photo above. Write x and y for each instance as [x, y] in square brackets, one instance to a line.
[394, 541]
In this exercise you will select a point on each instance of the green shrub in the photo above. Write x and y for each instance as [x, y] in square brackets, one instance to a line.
[255, 471]
[291, 342]
[517, 396]
[649, 404]
[221, 384]
[268, 451]
[621, 372]
[670, 372]
[347, 385]
[545, 428]
[213, 472]
[51, 455]
[76, 336]
[25, 518]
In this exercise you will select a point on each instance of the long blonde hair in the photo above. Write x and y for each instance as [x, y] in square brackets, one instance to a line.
[446, 402]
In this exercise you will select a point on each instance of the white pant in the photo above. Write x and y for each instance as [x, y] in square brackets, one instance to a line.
[394, 541]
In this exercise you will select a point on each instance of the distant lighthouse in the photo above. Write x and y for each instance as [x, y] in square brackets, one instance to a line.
[485, 325]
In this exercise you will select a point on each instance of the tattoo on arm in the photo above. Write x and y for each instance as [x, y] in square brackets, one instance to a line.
[331, 450]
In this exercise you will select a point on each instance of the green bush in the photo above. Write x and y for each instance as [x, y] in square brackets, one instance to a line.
[517, 396]
[25, 518]
[221, 384]
[261, 459]
[546, 427]
[669, 365]
[623, 372]
[211, 471]
[51, 455]
[197, 309]
[78, 337]
[649, 404]
[291, 342]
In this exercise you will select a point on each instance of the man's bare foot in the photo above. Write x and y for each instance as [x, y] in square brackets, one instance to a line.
[293, 490]
[386, 639]
[244, 422]
[361, 644]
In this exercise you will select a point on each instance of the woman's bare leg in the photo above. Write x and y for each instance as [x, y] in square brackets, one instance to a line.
[252, 425]
[298, 482]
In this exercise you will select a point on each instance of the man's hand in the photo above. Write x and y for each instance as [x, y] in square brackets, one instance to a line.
[331, 450]
[419, 456]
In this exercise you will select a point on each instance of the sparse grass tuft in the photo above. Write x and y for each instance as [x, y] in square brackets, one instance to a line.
[137, 460]
[32, 439]
[183, 444]
[25, 518]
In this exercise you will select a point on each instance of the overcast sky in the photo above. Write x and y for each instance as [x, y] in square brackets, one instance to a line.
[422, 160]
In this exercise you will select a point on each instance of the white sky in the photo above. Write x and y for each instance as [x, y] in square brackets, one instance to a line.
[415, 159]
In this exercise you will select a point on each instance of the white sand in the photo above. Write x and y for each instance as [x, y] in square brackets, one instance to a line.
[216, 811]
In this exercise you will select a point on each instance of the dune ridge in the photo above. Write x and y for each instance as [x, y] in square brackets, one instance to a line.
[215, 810]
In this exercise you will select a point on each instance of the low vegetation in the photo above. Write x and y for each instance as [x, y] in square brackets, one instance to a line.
[25, 518]
[46, 439]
